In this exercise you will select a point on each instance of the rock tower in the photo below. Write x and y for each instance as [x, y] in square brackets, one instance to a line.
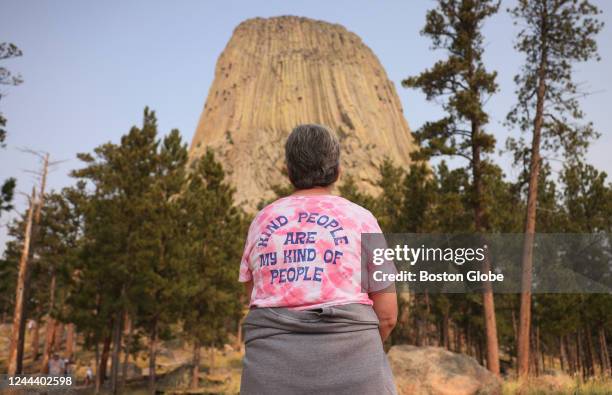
[276, 73]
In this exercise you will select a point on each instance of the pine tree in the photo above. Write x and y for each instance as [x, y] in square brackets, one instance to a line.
[116, 252]
[390, 204]
[555, 35]
[215, 231]
[159, 290]
[455, 26]
[57, 247]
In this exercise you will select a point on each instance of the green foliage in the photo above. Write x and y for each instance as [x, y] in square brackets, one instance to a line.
[9, 264]
[160, 237]
[54, 252]
[587, 199]
[554, 36]
[117, 254]
[214, 231]
[57, 246]
[7, 51]
[7, 188]
[6, 194]
[460, 80]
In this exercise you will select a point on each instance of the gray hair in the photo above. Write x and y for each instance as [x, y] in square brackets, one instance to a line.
[312, 154]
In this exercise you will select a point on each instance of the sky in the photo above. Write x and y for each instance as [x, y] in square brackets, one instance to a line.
[90, 68]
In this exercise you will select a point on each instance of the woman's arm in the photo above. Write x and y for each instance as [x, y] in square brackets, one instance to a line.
[385, 307]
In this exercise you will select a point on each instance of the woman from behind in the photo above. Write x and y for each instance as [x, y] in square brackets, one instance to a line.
[316, 323]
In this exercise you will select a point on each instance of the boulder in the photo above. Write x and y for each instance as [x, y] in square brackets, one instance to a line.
[437, 371]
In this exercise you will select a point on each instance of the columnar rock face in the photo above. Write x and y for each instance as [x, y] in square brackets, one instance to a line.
[279, 72]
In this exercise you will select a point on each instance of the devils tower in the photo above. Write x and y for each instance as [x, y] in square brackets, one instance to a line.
[279, 72]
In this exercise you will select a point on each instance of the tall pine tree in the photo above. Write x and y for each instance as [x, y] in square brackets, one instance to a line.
[215, 231]
[555, 34]
[463, 81]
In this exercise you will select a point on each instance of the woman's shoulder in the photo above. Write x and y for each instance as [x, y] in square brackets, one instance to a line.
[358, 210]
[292, 202]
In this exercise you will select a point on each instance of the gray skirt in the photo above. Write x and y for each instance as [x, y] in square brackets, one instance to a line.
[332, 350]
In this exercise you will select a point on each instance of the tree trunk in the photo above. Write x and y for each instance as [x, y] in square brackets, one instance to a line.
[445, 330]
[426, 333]
[530, 221]
[568, 354]
[491, 331]
[603, 352]
[212, 359]
[563, 355]
[59, 336]
[101, 374]
[468, 340]
[34, 345]
[96, 365]
[418, 317]
[591, 351]
[22, 324]
[48, 346]
[18, 314]
[458, 339]
[490, 321]
[572, 353]
[533, 356]
[479, 353]
[70, 340]
[195, 372]
[488, 301]
[580, 354]
[32, 231]
[538, 356]
[115, 353]
[152, 356]
[128, 345]
[49, 326]
[514, 325]
[97, 355]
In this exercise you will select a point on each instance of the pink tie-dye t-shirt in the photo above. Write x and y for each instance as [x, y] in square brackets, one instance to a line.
[304, 252]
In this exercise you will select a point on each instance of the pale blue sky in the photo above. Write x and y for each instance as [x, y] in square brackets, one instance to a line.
[91, 67]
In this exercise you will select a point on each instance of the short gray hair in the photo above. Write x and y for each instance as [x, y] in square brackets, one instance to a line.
[312, 154]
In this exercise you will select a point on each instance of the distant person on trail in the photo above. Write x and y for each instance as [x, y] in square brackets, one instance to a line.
[89, 376]
[67, 367]
[312, 328]
[56, 366]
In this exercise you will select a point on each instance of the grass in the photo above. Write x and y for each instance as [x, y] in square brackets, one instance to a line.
[541, 386]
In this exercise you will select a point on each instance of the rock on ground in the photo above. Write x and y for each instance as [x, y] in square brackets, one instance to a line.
[437, 371]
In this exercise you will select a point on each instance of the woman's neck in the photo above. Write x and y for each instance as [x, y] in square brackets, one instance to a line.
[315, 191]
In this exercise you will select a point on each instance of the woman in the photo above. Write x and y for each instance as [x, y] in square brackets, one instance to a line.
[313, 328]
